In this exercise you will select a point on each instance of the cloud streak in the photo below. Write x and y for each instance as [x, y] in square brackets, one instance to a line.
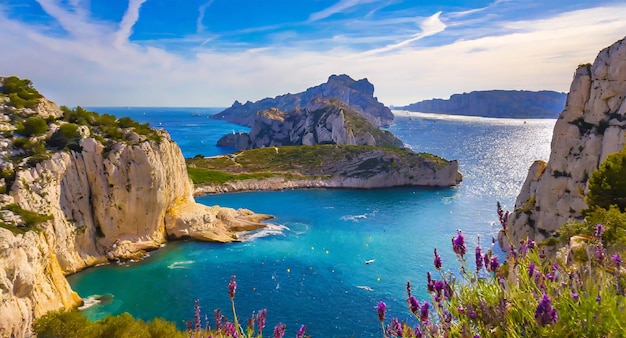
[128, 21]
[339, 7]
[525, 54]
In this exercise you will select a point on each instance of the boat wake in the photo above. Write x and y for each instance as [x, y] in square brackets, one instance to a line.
[269, 230]
[358, 218]
[180, 265]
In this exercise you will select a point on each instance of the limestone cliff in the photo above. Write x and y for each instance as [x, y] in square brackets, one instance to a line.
[496, 103]
[110, 190]
[357, 94]
[322, 121]
[590, 128]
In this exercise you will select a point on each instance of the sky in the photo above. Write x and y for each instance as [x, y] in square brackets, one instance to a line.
[209, 53]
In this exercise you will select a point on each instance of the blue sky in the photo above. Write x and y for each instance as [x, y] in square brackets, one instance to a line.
[212, 52]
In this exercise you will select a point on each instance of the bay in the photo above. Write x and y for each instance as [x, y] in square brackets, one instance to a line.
[309, 266]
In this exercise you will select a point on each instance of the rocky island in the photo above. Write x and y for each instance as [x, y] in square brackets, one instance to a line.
[357, 94]
[79, 189]
[323, 143]
[496, 103]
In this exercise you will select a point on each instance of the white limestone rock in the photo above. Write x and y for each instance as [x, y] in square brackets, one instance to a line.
[589, 129]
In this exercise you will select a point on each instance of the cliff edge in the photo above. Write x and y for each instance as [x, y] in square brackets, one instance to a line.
[590, 128]
[78, 189]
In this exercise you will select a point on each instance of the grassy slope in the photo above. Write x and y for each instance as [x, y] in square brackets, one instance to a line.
[292, 162]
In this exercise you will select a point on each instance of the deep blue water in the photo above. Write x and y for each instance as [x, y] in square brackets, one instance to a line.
[313, 270]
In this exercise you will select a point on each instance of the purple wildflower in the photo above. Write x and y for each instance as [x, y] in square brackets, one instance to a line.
[575, 296]
[260, 319]
[545, 314]
[408, 289]
[395, 328]
[531, 269]
[599, 298]
[479, 258]
[381, 307]
[196, 318]
[300, 333]
[431, 283]
[599, 231]
[279, 330]
[523, 249]
[458, 244]
[599, 253]
[414, 305]
[250, 325]
[232, 287]
[218, 319]
[617, 259]
[437, 260]
[231, 330]
[493, 264]
[531, 244]
[424, 312]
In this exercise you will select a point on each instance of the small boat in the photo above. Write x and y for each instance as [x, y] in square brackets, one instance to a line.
[369, 261]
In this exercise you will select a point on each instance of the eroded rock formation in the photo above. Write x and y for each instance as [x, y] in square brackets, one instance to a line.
[590, 128]
[357, 94]
[321, 121]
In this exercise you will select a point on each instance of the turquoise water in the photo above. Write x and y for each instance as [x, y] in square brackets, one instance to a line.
[310, 267]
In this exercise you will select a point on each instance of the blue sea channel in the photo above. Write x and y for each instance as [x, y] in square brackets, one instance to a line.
[308, 267]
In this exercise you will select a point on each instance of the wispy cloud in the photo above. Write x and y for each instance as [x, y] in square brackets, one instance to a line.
[201, 11]
[128, 21]
[525, 54]
[429, 26]
[340, 6]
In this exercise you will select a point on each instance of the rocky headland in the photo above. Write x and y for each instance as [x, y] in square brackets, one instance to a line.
[320, 121]
[79, 189]
[357, 94]
[495, 103]
[590, 128]
[321, 166]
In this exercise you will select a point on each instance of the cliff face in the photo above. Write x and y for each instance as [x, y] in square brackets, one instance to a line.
[320, 122]
[101, 203]
[496, 103]
[589, 129]
[357, 94]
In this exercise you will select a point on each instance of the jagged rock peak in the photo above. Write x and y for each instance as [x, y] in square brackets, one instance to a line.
[321, 121]
[357, 94]
[591, 127]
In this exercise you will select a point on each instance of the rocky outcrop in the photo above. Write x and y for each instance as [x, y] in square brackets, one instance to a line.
[357, 94]
[496, 103]
[98, 202]
[589, 129]
[322, 121]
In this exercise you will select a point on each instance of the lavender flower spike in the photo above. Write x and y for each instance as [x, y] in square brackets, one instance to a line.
[545, 314]
[479, 258]
[414, 305]
[300, 333]
[437, 260]
[458, 244]
[381, 307]
[232, 287]
[260, 319]
[598, 231]
[279, 330]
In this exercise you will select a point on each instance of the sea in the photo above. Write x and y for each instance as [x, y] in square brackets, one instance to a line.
[329, 256]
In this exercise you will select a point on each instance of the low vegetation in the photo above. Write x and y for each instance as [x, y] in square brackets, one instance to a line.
[301, 162]
[20, 92]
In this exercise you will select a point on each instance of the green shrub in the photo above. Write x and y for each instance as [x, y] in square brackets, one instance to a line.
[21, 92]
[61, 324]
[607, 184]
[66, 133]
[30, 218]
[32, 126]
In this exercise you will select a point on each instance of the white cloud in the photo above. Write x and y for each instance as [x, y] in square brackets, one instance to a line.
[85, 69]
[340, 6]
[128, 21]
[429, 26]
[201, 11]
